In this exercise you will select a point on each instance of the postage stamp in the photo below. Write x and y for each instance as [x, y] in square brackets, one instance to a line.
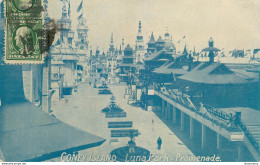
[23, 33]
[23, 8]
[23, 40]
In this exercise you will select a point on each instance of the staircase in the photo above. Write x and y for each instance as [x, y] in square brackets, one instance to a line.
[252, 137]
[255, 131]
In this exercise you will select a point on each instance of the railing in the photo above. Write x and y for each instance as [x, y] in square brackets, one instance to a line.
[185, 101]
[248, 134]
[218, 113]
[179, 97]
[175, 95]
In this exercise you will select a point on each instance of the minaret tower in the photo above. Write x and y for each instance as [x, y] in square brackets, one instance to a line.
[82, 46]
[82, 30]
[64, 25]
[151, 45]
[111, 48]
[139, 47]
[123, 44]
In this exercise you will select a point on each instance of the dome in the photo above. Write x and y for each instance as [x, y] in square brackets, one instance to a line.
[167, 35]
[169, 45]
[128, 49]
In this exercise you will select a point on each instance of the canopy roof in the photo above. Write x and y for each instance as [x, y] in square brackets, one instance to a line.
[29, 134]
[208, 49]
[214, 73]
[165, 69]
[153, 56]
[255, 69]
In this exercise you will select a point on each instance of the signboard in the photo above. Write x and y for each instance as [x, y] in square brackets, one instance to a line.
[122, 124]
[124, 133]
[238, 137]
[115, 114]
[150, 92]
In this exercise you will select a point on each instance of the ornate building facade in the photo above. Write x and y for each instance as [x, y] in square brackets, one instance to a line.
[82, 49]
[69, 60]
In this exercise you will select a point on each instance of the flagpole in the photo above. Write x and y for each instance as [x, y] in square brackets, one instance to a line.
[69, 9]
[82, 6]
[82, 12]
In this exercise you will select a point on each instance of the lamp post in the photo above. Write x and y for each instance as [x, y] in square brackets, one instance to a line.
[146, 86]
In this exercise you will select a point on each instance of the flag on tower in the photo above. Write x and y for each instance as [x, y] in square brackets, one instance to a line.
[80, 16]
[69, 9]
[58, 42]
[80, 6]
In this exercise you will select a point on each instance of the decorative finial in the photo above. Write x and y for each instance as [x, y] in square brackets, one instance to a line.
[112, 99]
[211, 42]
[140, 27]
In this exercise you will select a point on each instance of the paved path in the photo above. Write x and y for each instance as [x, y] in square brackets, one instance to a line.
[83, 110]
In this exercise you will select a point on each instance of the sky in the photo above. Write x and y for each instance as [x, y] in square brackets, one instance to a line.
[231, 23]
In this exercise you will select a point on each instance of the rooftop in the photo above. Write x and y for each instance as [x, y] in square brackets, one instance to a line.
[165, 69]
[215, 73]
[39, 136]
[154, 55]
[160, 40]
[152, 40]
[128, 48]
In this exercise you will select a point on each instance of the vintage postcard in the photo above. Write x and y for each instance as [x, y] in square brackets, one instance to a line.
[130, 81]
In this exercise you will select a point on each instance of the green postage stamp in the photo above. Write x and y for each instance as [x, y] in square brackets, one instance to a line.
[23, 34]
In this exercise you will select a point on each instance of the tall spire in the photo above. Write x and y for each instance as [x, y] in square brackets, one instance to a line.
[152, 40]
[185, 52]
[139, 44]
[111, 48]
[112, 39]
[123, 43]
[140, 27]
[64, 10]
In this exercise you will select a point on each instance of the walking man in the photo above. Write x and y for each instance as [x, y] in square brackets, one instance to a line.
[159, 142]
[152, 124]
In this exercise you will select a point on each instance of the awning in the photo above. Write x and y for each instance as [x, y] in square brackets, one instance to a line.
[29, 134]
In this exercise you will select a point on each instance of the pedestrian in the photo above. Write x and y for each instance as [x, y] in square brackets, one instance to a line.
[159, 142]
[152, 124]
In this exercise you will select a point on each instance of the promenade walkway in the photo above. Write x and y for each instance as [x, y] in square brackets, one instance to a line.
[83, 110]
